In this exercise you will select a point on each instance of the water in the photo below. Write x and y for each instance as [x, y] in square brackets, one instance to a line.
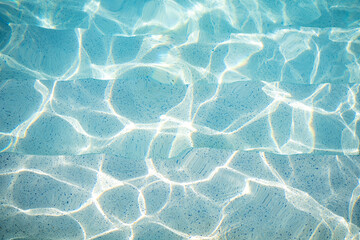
[179, 119]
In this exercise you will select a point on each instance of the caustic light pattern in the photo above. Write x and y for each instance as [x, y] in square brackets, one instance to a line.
[179, 119]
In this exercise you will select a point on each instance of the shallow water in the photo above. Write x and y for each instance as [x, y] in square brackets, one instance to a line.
[179, 119]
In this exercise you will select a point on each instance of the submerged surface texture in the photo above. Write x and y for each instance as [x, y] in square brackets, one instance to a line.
[179, 119]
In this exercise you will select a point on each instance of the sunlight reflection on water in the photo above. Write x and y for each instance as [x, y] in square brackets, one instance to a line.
[173, 119]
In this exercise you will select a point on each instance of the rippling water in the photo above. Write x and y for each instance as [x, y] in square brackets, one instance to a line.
[179, 119]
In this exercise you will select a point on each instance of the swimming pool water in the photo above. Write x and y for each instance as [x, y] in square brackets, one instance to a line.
[179, 119]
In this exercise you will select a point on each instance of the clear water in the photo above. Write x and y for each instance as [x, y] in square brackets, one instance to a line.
[179, 119]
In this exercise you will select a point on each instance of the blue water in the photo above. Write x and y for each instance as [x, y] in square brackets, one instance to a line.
[179, 119]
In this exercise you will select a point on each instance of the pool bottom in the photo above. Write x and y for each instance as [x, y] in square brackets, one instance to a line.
[208, 194]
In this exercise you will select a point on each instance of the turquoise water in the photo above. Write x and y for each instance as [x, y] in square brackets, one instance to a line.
[179, 119]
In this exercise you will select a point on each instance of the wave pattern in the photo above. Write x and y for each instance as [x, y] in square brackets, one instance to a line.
[204, 194]
[179, 119]
[198, 42]
[96, 116]
[304, 55]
